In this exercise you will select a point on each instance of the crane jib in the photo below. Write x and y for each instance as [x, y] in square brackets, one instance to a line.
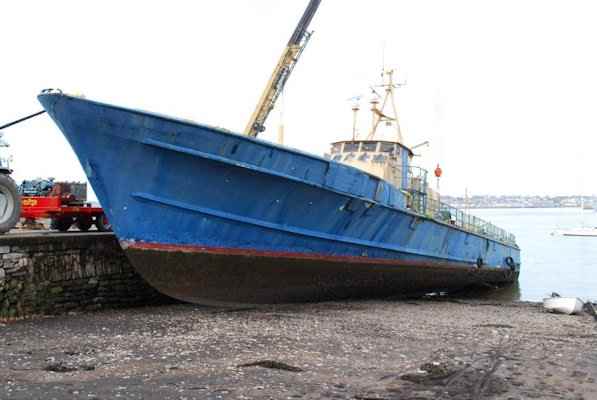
[282, 71]
[304, 23]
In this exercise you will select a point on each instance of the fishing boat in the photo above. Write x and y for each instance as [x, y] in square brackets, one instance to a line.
[209, 216]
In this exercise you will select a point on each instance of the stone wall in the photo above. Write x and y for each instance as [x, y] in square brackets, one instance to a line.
[49, 273]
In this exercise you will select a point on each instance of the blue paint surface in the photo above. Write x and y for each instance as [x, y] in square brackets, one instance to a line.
[168, 181]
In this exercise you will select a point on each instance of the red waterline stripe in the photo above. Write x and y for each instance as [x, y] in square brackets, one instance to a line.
[179, 248]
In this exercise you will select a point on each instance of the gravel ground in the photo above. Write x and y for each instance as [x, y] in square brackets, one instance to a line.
[419, 349]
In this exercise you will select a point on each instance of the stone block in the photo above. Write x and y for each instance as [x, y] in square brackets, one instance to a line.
[56, 290]
[15, 284]
[4, 249]
[13, 256]
[69, 305]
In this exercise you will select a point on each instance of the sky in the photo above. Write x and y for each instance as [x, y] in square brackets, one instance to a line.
[505, 91]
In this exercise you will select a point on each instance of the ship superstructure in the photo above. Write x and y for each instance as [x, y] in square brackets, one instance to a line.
[392, 161]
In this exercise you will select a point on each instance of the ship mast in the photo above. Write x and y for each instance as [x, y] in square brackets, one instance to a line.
[291, 54]
[355, 112]
[379, 114]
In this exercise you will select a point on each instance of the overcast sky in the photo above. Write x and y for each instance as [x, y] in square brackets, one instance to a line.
[504, 90]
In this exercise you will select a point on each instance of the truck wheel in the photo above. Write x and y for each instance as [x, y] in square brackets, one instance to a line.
[102, 223]
[84, 223]
[10, 203]
[61, 223]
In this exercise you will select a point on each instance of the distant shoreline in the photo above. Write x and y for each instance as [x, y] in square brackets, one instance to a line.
[459, 206]
[521, 201]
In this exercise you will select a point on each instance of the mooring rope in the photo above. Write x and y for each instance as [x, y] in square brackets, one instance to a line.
[22, 119]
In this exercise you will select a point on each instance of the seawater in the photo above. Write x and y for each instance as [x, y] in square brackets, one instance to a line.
[550, 263]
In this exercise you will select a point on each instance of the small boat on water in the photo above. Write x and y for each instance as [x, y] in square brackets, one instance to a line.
[584, 231]
[563, 305]
[209, 216]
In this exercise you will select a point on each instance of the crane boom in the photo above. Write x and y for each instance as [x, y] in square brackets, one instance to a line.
[291, 54]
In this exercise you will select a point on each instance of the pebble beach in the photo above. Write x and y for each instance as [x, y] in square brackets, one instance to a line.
[364, 350]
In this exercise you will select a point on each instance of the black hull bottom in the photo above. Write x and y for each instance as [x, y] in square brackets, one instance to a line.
[216, 279]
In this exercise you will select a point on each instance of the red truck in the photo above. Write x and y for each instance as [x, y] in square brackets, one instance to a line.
[65, 204]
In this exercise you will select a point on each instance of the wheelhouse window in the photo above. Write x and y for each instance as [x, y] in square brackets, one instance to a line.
[351, 147]
[387, 147]
[369, 146]
[336, 148]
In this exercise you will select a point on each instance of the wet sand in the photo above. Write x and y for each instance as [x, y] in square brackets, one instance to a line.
[419, 349]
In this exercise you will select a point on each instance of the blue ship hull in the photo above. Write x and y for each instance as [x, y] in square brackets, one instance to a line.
[209, 216]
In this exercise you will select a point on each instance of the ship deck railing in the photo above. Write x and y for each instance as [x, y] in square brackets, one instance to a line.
[451, 215]
[423, 202]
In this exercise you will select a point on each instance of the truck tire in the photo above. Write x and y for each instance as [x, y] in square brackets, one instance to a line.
[102, 223]
[10, 203]
[61, 224]
[84, 223]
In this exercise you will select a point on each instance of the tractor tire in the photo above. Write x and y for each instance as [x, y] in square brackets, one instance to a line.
[61, 224]
[84, 223]
[102, 223]
[10, 203]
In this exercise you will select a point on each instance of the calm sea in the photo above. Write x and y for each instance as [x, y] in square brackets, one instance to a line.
[550, 263]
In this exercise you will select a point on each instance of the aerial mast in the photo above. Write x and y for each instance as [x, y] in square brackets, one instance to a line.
[291, 54]
[379, 114]
[355, 111]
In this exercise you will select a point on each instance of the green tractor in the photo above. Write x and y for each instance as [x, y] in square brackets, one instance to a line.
[10, 199]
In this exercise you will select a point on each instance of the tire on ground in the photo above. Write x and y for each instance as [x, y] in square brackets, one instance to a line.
[10, 203]
[84, 223]
[61, 223]
[102, 223]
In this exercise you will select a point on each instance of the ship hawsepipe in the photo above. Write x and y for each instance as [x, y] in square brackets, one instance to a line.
[209, 216]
